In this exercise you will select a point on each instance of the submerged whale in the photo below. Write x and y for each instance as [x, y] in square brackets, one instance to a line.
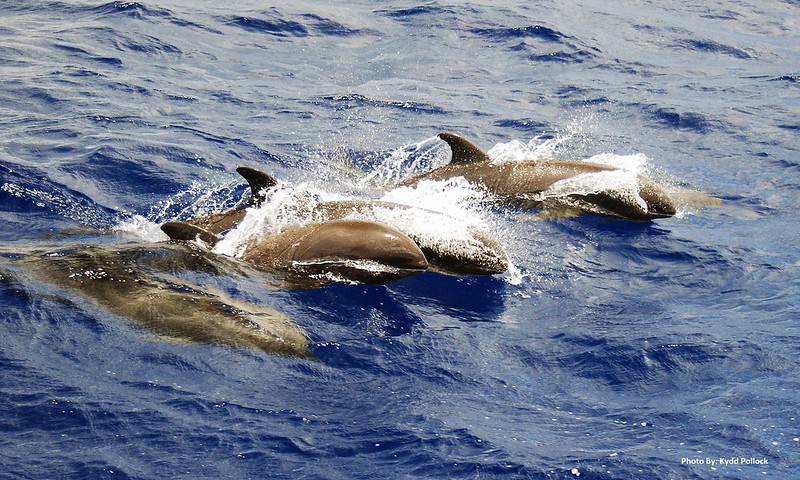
[142, 282]
[523, 183]
[473, 252]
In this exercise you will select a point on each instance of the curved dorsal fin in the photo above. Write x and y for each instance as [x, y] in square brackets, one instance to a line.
[188, 232]
[464, 151]
[258, 181]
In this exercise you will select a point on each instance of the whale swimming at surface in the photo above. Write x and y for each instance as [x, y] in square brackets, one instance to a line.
[524, 183]
[353, 250]
[472, 252]
[144, 283]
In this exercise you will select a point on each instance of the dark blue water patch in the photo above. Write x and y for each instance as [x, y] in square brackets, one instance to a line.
[26, 412]
[363, 306]
[143, 44]
[82, 54]
[119, 121]
[793, 80]
[534, 31]
[709, 46]
[277, 27]
[637, 69]
[355, 100]
[120, 174]
[571, 91]
[789, 167]
[754, 203]
[722, 15]
[252, 155]
[524, 125]
[794, 127]
[28, 191]
[658, 363]
[274, 23]
[328, 27]
[28, 98]
[11, 286]
[142, 12]
[541, 50]
[422, 10]
[469, 298]
[209, 137]
[689, 121]
[227, 97]
[448, 454]
[425, 18]
[13, 57]
[135, 10]
[562, 57]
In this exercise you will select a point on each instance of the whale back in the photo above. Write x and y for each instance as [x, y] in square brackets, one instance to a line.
[141, 282]
[463, 150]
[359, 250]
[259, 182]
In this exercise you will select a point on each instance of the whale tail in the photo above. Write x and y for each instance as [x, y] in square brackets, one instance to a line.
[259, 182]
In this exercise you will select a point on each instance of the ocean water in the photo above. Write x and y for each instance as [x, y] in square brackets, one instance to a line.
[611, 350]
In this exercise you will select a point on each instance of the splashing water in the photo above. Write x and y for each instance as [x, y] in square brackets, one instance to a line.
[141, 227]
[624, 183]
[637, 162]
[538, 148]
[407, 161]
[450, 215]
[201, 198]
[284, 206]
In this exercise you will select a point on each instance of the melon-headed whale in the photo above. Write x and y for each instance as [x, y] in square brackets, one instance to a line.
[353, 250]
[475, 252]
[520, 183]
[142, 282]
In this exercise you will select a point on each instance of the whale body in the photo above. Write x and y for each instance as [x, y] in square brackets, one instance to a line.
[475, 252]
[140, 282]
[352, 250]
[523, 183]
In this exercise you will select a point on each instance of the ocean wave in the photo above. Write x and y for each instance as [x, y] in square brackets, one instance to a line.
[278, 24]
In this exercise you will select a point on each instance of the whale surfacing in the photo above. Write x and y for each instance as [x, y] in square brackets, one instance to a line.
[353, 250]
[367, 252]
[473, 252]
[522, 183]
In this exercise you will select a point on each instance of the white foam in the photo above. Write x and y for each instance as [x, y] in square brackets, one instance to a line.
[409, 160]
[445, 213]
[636, 162]
[541, 148]
[283, 207]
[623, 181]
[538, 148]
[143, 228]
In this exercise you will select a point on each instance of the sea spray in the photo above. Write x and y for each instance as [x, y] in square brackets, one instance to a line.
[408, 160]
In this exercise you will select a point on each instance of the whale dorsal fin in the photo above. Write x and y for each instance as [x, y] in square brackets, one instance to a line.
[188, 232]
[464, 151]
[258, 181]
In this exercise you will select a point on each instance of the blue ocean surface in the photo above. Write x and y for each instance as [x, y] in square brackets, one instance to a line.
[612, 349]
